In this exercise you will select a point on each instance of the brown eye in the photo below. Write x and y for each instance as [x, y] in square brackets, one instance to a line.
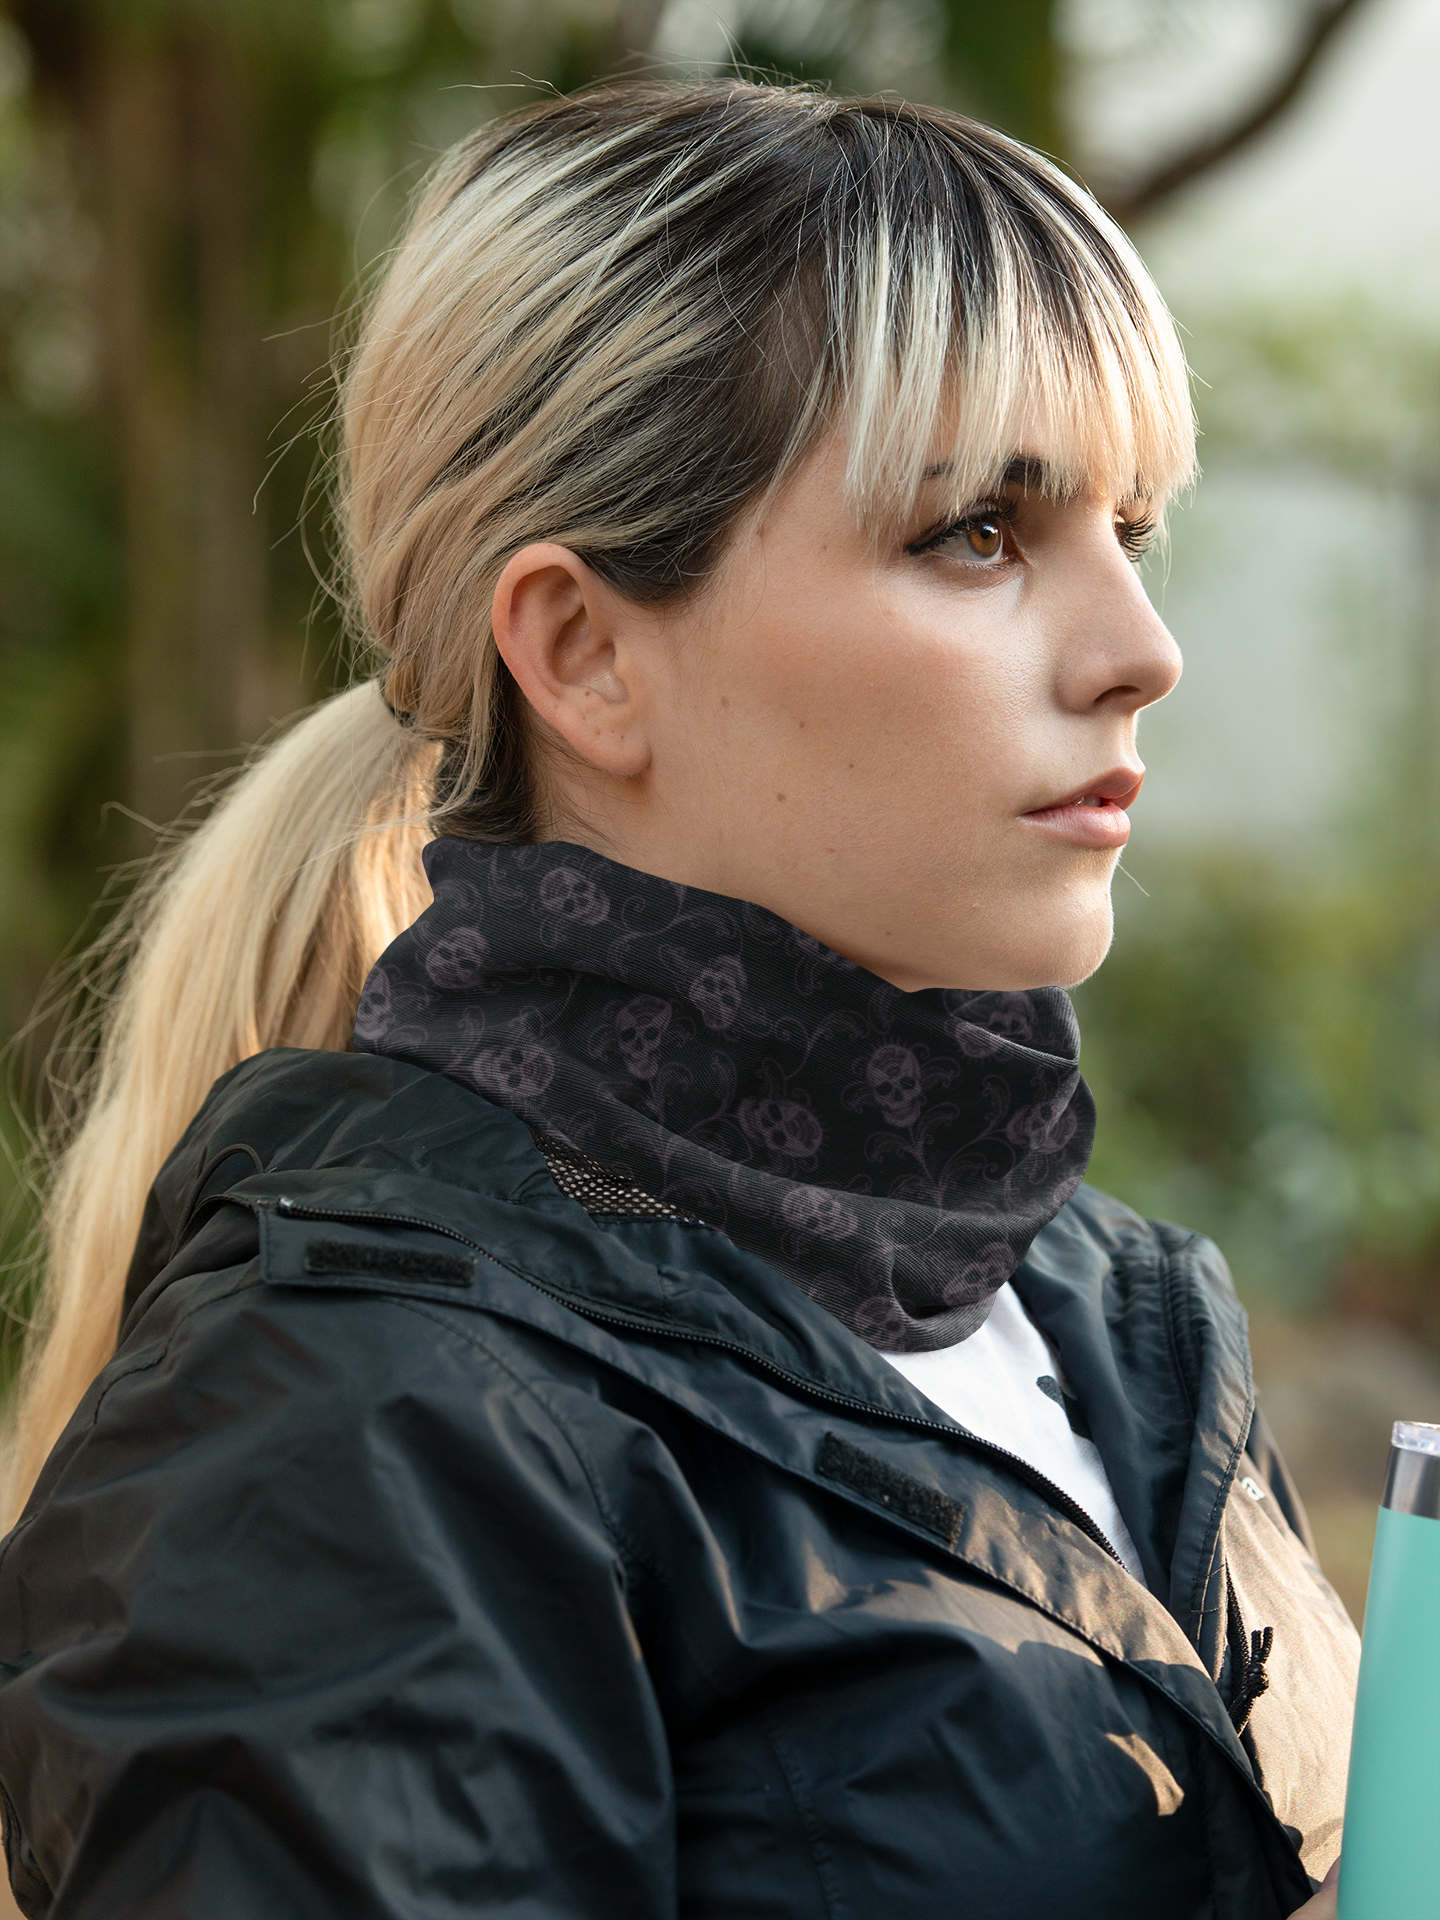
[985, 539]
[976, 539]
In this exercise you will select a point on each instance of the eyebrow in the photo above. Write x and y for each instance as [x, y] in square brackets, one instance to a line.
[1033, 476]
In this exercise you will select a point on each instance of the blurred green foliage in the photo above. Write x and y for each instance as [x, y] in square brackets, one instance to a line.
[1260, 1044]
[191, 193]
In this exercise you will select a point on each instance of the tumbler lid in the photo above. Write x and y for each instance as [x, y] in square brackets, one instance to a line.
[1412, 1484]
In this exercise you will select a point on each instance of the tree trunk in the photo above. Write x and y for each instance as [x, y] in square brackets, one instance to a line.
[136, 161]
[230, 547]
[162, 132]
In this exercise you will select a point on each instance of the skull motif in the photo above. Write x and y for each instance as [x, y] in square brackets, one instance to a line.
[976, 1042]
[716, 991]
[1011, 1015]
[782, 1125]
[982, 1276]
[568, 892]
[457, 959]
[813, 1210]
[880, 1320]
[1044, 1128]
[894, 1076]
[639, 1027]
[376, 1009]
[514, 1073]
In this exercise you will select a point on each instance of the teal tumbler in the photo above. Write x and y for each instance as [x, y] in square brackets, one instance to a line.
[1390, 1859]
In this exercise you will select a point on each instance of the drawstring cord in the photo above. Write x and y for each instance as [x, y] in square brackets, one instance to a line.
[1253, 1679]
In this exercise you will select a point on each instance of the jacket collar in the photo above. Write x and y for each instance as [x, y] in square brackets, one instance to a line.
[1161, 1369]
[1156, 1350]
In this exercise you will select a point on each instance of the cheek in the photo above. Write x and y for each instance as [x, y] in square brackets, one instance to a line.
[806, 688]
[933, 710]
[887, 713]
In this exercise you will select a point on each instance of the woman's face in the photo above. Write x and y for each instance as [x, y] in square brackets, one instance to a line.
[920, 754]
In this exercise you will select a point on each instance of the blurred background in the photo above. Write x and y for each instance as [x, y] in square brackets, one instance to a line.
[192, 193]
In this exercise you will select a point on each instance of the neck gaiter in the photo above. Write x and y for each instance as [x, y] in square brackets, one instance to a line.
[893, 1154]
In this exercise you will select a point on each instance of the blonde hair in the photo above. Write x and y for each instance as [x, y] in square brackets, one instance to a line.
[615, 321]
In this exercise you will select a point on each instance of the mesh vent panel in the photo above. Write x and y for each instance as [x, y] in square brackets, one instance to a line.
[598, 1188]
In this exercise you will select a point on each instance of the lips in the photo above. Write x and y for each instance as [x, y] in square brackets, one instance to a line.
[1093, 815]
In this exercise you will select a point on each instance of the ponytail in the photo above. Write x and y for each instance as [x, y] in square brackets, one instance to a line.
[258, 933]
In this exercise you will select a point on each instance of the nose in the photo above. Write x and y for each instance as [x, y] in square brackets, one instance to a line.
[1121, 656]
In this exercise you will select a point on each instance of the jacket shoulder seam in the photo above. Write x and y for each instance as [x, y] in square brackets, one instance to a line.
[621, 1543]
[147, 1357]
[630, 1552]
[151, 1356]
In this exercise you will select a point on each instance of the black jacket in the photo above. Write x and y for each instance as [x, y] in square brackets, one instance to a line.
[433, 1548]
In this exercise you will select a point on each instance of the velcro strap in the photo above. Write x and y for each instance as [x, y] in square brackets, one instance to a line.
[877, 1480]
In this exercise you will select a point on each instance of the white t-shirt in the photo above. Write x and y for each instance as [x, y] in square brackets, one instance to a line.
[1005, 1385]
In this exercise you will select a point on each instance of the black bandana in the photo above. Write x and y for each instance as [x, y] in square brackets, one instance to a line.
[894, 1154]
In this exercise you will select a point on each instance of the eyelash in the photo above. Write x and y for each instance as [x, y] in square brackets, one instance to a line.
[976, 516]
[1135, 536]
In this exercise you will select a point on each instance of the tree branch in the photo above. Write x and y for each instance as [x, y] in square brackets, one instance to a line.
[1133, 203]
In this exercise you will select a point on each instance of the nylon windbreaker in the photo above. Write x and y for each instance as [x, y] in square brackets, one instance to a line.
[433, 1548]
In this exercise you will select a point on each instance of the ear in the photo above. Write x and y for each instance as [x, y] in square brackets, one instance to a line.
[567, 637]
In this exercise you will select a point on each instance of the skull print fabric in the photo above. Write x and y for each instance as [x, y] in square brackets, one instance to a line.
[893, 1154]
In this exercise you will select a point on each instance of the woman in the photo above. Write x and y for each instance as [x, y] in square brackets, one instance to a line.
[657, 1426]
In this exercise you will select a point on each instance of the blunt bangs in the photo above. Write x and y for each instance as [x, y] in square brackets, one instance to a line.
[986, 307]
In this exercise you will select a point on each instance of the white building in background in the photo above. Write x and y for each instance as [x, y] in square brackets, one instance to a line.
[1301, 581]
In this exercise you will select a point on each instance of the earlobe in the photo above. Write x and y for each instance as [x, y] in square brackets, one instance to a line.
[559, 629]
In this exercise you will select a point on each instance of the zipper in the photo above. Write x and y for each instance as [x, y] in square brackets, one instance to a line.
[1181, 1348]
[1032, 1476]
[296, 1211]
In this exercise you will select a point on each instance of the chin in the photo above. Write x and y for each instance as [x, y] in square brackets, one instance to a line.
[1055, 956]
[1088, 953]
[1058, 944]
